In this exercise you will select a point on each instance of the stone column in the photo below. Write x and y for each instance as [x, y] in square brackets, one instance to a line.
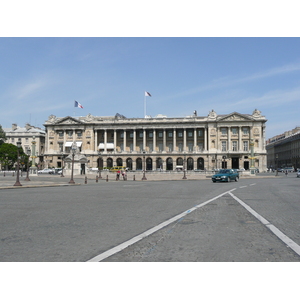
[144, 139]
[115, 139]
[205, 139]
[228, 139]
[184, 139]
[174, 139]
[154, 140]
[124, 140]
[96, 140]
[195, 139]
[164, 140]
[134, 142]
[240, 139]
[105, 141]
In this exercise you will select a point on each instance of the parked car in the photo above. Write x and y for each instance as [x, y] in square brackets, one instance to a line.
[298, 173]
[288, 169]
[226, 175]
[46, 171]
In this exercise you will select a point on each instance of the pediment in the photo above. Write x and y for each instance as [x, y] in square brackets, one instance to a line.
[68, 120]
[235, 117]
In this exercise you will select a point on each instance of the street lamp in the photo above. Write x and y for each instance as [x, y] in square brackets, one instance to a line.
[99, 169]
[73, 149]
[18, 162]
[144, 163]
[184, 166]
[62, 166]
[27, 177]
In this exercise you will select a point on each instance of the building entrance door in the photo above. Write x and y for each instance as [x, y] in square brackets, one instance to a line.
[235, 163]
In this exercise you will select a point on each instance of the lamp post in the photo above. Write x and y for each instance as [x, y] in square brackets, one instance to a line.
[144, 167]
[27, 176]
[73, 149]
[62, 166]
[18, 162]
[99, 168]
[184, 166]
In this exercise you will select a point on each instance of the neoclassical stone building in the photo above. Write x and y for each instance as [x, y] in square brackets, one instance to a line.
[193, 142]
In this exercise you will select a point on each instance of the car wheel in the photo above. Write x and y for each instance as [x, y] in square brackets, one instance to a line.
[228, 179]
[236, 179]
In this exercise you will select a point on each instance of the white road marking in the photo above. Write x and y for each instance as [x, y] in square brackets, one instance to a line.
[253, 184]
[241, 187]
[289, 242]
[139, 237]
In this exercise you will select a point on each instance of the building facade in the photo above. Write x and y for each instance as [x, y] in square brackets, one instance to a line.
[27, 135]
[160, 143]
[284, 150]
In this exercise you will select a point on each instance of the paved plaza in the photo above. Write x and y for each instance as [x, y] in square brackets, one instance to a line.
[47, 219]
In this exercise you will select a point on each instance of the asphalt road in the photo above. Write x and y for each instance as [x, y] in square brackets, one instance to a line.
[77, 223]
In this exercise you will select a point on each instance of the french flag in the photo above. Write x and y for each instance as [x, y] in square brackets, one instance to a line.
[77, 104]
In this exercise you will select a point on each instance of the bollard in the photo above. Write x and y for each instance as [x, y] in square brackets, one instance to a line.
[96, 178]
[106, 178]
[133, 177]
[85, 180]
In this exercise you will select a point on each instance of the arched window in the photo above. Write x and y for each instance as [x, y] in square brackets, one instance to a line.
[109, 162]
[119, 162]
[139, 164]
[190, 164]
[129, 163]
[149, 163]
[100, 163]
[179, 161]
[169, 162]
[159, 163]
[200, 163]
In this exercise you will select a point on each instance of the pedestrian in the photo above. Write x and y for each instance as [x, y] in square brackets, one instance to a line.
[286, 172]
[118, 175]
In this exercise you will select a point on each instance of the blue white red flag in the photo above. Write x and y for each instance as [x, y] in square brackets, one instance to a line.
[77, 104]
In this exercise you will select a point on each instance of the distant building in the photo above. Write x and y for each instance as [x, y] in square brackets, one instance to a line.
[161, 143]
[283, 150]
[27, 134]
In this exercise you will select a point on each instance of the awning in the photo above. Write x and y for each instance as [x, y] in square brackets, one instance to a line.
[69, 144]
[108, 146]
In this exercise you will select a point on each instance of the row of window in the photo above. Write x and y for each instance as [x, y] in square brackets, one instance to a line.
[234, 130]
[190, 133]
[235, 146]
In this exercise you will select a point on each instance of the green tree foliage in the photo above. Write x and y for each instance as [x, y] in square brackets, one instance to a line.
[9, 156]
[2, 135]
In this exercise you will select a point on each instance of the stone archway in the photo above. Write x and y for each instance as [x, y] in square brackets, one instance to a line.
[149, 163]
[169, 163]
[119, 162]
[129, 163]
[200, 163]
[109, 163]
[139, 164]
[159, 163]
[190, 163]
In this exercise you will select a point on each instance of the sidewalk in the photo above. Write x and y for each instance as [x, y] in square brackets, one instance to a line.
[8, 181]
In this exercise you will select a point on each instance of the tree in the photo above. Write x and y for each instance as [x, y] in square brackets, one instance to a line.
[2, 136]
[9, 156]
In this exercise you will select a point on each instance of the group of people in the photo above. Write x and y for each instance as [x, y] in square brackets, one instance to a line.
[123, 173]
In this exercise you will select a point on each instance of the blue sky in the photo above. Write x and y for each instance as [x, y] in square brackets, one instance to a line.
[44, 76]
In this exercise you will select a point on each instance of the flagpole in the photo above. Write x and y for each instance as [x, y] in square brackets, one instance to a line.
[144, 105]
